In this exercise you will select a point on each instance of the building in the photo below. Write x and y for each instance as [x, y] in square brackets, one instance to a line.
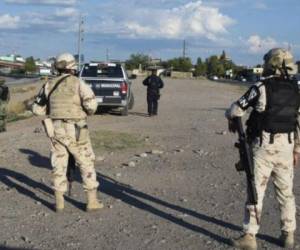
[45, 68]
[11, 63]
[12, 58]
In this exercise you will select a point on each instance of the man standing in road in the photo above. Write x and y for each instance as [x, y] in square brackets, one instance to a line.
[154, 84]
[67, 101]
[272, 134]
[4, 99]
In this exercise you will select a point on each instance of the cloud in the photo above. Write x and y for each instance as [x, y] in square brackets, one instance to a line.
[61, 20]
[259, 45]
[43, 2]
[260, 6]
[222, 3]
[67, 12]
[193, 19]
[9, 22]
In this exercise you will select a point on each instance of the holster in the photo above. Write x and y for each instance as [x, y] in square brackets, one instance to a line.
[81, 130]
[48, 126]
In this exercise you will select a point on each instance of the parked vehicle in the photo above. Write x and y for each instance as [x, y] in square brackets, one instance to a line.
[213, 78]
[111, 85]
[297, 77]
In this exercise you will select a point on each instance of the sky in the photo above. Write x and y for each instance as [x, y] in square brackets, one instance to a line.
[245, 29]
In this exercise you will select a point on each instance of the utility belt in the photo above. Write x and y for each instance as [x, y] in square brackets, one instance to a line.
[80, 127]
[271, 138]
[258, 125]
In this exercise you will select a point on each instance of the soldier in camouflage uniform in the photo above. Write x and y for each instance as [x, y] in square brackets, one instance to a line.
[4, 99]
[67, 100]
[271, 130]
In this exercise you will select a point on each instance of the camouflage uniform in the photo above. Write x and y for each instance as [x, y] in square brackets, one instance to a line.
[68, 108]
[273, 136]
[274, 160]
[4, 98]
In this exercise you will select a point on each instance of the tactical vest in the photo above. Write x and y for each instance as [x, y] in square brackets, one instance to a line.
[65, 102]
[280, 115]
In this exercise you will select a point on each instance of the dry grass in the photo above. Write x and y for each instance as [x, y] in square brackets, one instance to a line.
[18, 110]
[16, 107]
[21, 101]
[24, 89]
[105, 140]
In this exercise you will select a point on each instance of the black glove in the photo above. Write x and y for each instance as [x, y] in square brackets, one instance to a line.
[232, 126]
[41, 98]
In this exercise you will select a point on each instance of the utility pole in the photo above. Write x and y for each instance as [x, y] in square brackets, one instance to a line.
[107, 55]
[80, 39]
[184, 49]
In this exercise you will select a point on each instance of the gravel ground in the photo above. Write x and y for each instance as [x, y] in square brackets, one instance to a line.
[188, 196]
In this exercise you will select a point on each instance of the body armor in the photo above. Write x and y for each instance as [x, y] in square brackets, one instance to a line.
[280, 115]
[65, 102]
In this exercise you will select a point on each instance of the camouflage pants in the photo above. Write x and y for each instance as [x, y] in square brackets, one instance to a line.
[64, 142]
[276, 161]
[2, 123]
[3, 115]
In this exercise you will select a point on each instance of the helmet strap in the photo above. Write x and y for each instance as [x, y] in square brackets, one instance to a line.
[284, 70]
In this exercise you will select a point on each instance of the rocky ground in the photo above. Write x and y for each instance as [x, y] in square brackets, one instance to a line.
[185, 194]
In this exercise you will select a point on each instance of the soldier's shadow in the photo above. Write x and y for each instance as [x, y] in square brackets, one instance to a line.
[36, 159]
[29, 187]
[2, 247]
[135, 198]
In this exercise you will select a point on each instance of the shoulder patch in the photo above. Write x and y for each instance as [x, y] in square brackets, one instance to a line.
[249, 98]
[252, 94]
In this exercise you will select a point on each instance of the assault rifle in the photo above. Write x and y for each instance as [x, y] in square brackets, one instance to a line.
[71, 172]
[246, 162]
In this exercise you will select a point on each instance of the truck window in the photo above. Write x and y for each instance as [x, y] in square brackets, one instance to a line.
[102, 71]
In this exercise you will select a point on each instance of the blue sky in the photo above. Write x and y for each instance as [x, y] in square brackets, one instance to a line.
[245, 29]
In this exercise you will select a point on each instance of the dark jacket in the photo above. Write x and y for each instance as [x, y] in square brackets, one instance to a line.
[4, 93]
[153, 83]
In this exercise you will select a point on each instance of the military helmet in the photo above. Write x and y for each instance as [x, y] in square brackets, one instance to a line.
[277, 61]
[65, 61]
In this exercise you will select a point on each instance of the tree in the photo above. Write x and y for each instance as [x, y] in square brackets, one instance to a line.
[215, 66]
[223, 56]
[30, 65]
[200, 68]
[180, 64]
[136, 60]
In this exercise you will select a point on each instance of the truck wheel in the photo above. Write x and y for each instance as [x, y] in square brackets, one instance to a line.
[131, 102]
[124, 111]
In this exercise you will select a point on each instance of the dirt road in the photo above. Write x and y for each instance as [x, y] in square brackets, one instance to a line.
[189, 197]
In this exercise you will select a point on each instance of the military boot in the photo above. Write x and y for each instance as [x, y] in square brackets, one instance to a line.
[245, 242]
[59, 201]
[287, 239]
[92, 202]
